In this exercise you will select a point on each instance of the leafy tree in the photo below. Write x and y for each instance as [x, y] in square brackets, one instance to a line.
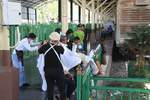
[140, 42]
[47, 12]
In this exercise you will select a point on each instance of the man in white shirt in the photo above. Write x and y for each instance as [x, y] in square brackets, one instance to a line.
[17, 56]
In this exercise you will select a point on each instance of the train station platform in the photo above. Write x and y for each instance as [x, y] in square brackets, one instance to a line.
[33, 92]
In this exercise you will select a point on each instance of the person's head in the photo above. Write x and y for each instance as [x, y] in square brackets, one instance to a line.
[63, 39]
[69, 34]
[69, 31]
[77, 40]
[83, 27]
[54, 37]
[58, 30]
[31, 37]
[79, 26]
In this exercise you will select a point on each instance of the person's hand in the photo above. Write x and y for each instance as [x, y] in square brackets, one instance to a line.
[69, 76]
[45, 42]
[66, 72]
[39, 46]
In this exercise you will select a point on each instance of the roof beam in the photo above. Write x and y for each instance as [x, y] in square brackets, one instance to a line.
[79, 4]
[108, 5]
[90, 2]
[43, 3]
[100, 5]
[110, 9]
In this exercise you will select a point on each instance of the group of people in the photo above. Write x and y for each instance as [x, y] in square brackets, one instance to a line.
[61, 53]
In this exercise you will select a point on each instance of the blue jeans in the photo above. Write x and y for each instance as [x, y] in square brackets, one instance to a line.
[18, 64]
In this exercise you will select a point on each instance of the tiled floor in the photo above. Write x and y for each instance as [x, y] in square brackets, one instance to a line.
[32, 94]
[35, 94]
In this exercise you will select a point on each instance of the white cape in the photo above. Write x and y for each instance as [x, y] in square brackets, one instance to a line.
[69, 58]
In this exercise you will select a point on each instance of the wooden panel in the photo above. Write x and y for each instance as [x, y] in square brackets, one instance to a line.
[125, 28]
[141, 2]
[9, 85]
[135, 15]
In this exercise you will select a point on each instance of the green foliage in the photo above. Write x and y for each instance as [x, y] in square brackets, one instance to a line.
[51, 12]
[135, 72]
[140, 39]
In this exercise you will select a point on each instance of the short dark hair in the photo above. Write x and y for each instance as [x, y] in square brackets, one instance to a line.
[58, 30]
[32, 36]
[79, 25]
[83, 25]
[76, 38]
[69, 31]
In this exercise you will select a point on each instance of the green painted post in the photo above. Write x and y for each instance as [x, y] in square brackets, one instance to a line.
[88, 87]
[79, 78]
[139, 97]
[83, 91]
[121, 97]
[147, 96]
[130, 96]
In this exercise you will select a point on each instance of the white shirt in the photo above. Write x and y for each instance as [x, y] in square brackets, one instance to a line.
[24, 45]
[74, 48]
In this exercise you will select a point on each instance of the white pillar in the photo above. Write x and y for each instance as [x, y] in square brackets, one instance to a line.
[83, 14]
[97, 17]
[100, 18]
[64, 10]
[4, 38]
[4, 32]
[4, 41]
[93, 19]
[117, 35]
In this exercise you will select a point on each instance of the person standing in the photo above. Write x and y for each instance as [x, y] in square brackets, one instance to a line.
[79, 33]
[17, 56]
[54, 72]
[86, 40]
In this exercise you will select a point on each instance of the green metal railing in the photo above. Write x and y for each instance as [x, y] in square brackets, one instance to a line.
[87, 86]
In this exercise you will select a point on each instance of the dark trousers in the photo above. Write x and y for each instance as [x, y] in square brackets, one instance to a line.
[53, 78]
[70, 86]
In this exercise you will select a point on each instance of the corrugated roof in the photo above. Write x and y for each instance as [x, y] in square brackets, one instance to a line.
[34, 3]
[30, 3]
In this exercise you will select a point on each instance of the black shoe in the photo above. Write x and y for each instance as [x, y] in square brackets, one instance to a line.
[24, 86]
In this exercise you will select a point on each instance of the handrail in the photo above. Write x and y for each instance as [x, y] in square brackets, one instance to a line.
[119, 79]
[120, 89]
